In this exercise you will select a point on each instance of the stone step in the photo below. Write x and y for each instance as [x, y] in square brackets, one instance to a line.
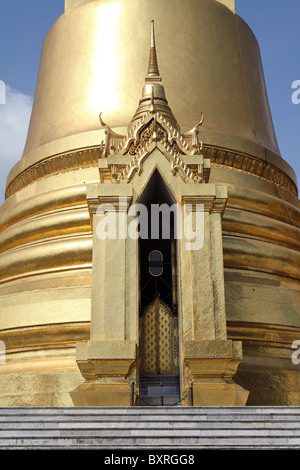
[148, 413]
[152, 432]
[186, 425]
[150, 427]
[136, 443]
[251, 410]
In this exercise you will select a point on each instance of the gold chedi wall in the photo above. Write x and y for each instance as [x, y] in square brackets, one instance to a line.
[93, 61]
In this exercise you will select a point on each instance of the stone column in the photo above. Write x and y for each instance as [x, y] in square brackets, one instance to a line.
[106, 359]
[208, 358]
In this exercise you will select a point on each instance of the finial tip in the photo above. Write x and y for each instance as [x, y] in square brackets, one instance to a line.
[153, 67]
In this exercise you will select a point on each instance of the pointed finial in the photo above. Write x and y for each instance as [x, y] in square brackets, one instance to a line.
[153, 71]
[153, 95]
[152, 44]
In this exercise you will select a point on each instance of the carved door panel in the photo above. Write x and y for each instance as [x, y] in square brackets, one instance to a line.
[158, 340]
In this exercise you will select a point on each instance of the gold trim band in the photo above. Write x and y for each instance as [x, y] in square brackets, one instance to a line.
[89, 157]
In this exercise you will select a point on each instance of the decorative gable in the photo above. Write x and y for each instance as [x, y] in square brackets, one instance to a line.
[125, 155]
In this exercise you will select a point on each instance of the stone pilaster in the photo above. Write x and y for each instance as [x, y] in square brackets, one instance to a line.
[209, 359]
[106, 359]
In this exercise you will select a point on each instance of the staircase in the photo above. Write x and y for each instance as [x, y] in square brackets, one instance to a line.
[150, 428]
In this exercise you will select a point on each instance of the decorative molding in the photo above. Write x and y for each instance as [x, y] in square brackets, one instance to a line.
[176, 165]
[89, 157]
[56, 164]
[249, 164]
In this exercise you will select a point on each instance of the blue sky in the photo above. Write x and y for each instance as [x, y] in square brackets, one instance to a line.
[25, 23]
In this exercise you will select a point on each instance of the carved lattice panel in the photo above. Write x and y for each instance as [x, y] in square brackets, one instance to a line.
[158, 340]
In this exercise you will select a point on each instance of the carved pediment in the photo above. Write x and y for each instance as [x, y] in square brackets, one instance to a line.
[126, 154]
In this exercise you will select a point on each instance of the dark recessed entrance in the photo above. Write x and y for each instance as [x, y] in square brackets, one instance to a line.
[158, 319]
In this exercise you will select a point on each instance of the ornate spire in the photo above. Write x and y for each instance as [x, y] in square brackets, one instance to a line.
[153, 94]
[153, 72]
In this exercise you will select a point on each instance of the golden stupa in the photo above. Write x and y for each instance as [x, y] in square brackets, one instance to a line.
[195, 129]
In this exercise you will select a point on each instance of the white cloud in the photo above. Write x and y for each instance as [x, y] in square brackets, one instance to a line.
[14, 121]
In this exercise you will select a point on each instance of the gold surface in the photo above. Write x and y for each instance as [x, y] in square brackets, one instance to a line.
[76, 70]
[73, 3]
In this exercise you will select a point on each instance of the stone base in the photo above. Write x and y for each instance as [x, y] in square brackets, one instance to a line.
[218, 394]
[97, 394]
[105, 365]
[212, 365]
[98, 359]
